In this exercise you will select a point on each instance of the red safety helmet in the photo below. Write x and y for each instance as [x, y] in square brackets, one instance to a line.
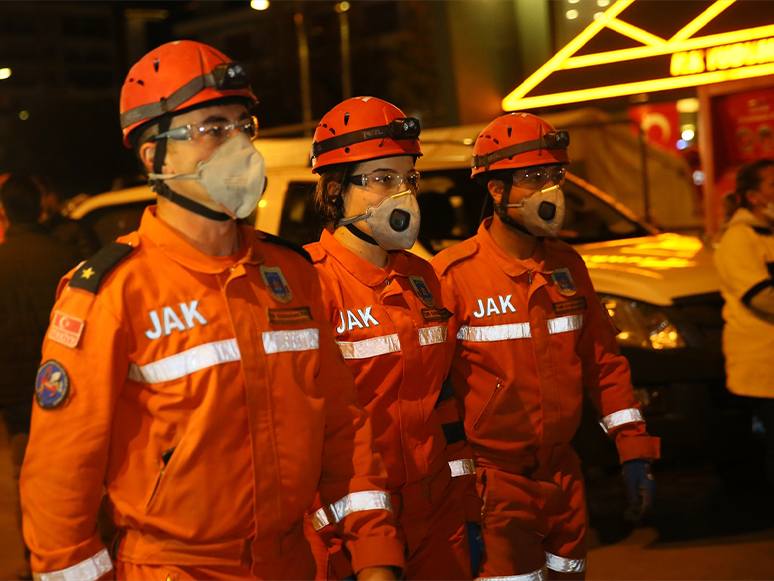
[516, 140]
[178, 75]
[363, 128]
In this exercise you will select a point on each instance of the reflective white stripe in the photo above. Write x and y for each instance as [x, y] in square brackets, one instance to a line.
[359, 501]
[494, 332]
[432, 335]
[565, 324]
[462, 467]
[557, 563]
[88, 570]
[320, 519]
[370, 347]
[538, 575]
[620, 418]
[282, 341]
[186, 363]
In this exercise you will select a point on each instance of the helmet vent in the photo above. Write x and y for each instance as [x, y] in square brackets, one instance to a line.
[156, 65]
[346, 118]
[346, 150]
[509, 130]
[495, 140]
[139, 82]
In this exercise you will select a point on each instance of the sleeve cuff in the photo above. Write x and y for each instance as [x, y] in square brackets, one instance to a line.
[647, 447]
[376, 552]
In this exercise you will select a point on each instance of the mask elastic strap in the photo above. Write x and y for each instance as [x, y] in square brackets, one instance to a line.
[347, 223]
[502, 212]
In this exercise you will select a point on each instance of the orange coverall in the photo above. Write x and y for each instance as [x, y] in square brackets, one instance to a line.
[531, 334]
[210, 405]
[392, 331]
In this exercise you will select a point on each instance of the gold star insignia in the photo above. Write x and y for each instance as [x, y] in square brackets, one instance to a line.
[87, 273]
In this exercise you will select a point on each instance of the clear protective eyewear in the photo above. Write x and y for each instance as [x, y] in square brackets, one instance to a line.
[216, 131]
[534, 178]
[386, 182]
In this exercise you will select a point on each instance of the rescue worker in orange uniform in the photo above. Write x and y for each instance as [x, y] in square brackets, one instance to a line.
[531, 335]
[391, 327]
[189, 369]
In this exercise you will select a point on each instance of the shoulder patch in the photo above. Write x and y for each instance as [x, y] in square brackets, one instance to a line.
[88, 275]
[763, 231]
[265, 237]
[453, 255]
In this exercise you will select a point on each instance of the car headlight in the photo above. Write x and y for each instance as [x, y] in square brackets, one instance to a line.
[641, 324]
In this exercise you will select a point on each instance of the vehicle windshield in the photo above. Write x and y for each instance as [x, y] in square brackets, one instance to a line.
[451, 205]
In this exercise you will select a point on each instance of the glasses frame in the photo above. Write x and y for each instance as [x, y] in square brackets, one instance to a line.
[363, 179]
[555, 174]
[185, 132]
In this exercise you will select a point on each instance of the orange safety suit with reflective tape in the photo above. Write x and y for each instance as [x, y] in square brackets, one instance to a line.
[207, 397]
[391, 327]
[531, 335]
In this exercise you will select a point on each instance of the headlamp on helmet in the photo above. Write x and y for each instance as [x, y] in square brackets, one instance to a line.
[402, 128]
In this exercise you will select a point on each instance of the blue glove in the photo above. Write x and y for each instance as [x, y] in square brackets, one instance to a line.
[641, 488]
[476, 546]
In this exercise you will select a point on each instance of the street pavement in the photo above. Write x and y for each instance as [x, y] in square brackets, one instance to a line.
[708, 524]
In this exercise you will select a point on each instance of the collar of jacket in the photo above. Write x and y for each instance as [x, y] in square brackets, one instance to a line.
[22, 229]
[512, 266]
[182, 252]
[360, 268]
[743, 216]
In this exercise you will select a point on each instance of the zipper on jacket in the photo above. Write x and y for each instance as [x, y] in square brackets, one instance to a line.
[529, 275]
[488, 404]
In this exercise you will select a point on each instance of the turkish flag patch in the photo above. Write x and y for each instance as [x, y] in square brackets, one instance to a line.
[66, 329]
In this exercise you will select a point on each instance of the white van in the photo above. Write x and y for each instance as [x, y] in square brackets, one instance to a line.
[661, 288]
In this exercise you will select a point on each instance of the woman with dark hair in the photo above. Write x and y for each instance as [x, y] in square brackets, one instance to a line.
[384, 304]
[745, 261]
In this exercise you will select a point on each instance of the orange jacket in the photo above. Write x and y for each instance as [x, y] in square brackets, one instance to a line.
[208, 397]
[392, 331]
[531, 334]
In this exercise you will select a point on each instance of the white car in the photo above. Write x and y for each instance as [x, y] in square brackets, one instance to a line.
[660, 288]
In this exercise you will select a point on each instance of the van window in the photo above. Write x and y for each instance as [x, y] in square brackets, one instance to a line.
[110, 222]
[299, 222]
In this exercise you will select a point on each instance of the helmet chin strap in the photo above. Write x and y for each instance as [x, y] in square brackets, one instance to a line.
[502, 213]
[358, 233]
[164, 190]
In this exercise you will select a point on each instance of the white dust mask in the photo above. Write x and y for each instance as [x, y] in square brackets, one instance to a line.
[768, 211]
[394, 222]
[543, 211]
[234, 176]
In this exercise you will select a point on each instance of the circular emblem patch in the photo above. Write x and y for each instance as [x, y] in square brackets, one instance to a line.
[52, 385]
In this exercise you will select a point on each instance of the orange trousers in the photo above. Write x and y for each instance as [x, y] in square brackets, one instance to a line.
[431, 521]
[534, 522]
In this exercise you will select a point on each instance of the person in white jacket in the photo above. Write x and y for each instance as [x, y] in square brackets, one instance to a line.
[745, 261]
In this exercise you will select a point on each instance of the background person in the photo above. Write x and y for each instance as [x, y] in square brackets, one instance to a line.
[385, 306]
[744, 258]
[31, 265]
[190, 372]
[531, 335]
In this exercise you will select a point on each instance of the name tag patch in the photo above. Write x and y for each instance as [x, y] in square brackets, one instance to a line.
[436, 314]
[289, 316]
[66, 329]
[578, 304]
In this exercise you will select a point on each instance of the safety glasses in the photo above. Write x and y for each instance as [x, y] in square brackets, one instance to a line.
[534, 178]
[216, 132]
[386, 182]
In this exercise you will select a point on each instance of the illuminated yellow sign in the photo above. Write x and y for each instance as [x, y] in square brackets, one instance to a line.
[720, 58]
[698, 61]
